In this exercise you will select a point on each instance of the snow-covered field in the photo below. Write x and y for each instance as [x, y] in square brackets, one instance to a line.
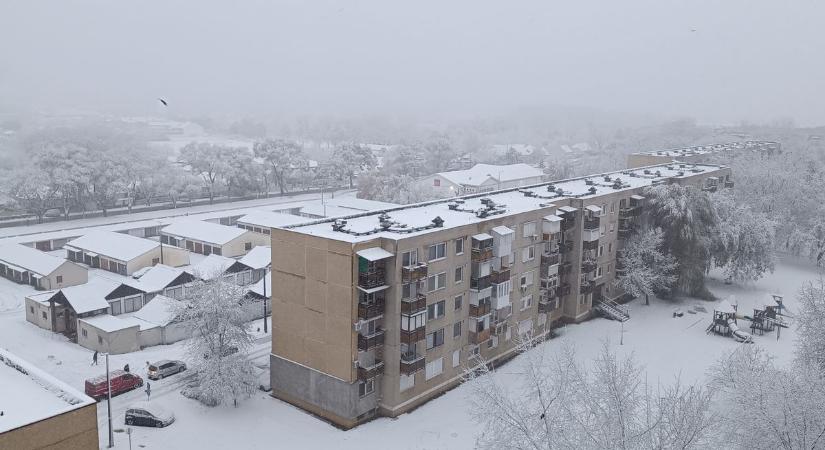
[666, 346]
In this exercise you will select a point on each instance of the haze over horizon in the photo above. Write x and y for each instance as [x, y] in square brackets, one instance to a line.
[717, 62]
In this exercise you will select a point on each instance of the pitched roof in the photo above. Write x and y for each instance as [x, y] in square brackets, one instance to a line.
[109, 323]
[157, 278]
[270, 219]
[30, 259]
[257, 258]
[160, 311]
[258, 288]
[209, 232]
[211, 267]
[120, 246]
[480, 173]
[86, 297]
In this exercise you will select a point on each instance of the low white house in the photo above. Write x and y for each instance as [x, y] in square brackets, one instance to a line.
[26, 265]
[242, 272]
[163, 280]
[122, 253]
[210, 238]
[481, 178]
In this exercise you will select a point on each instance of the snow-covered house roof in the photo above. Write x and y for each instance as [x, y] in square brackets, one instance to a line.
[91, 296]
[160, 311]
[157, 278]
[270, 219]
[257, 258]
[208, 232]
[109, 323]
[327, 210]
[29, 259]
[31, 395]
[478, 174]
[258, 288]
[374, 254]
[211, 267]
[119, 246]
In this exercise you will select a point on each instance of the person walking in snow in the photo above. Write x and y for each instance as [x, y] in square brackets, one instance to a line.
[148, 390]
[94, 359]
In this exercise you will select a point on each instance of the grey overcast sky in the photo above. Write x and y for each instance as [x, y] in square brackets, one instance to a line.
[746, 60]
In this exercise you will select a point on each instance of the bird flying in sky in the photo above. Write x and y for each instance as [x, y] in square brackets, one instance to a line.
[163, 101]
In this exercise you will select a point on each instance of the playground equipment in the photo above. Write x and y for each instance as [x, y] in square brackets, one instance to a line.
[724, 323]
[769, 317]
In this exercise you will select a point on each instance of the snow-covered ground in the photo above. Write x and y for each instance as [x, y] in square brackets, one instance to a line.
[666, 346]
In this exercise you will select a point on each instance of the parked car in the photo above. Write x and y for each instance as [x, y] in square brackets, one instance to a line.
[164, 368]
[145, 414]
[120, 380]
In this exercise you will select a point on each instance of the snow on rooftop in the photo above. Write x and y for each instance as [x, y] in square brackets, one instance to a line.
[347, 201]
[503, 231]
[84, 298]
[156, 278]
[160, 311]
[109, 323]
[374, 254]
[328, 210]
[258, 288]
[418, 219]
[270, 219]
[30, 394]
[119, 246]
[480, 173]
[258, 258]
[208, 232]
[30, 259]
[211, 267]
[711, 148]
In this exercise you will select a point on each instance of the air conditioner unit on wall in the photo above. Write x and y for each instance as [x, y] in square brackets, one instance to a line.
[357, 325]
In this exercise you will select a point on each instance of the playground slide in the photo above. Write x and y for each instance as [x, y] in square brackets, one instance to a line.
[738, 334]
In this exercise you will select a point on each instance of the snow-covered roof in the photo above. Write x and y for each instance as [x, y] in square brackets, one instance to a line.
[348, 201]
[503, 231]
[637, 197]
[257, 258]
[258, 288]
[86, 297]
[482, 237]
[211, 267]
[712, 148]
[725, 307]
[553, 218]
[109, 323]
[594, 209]
[31, 395]
[208, 232]
[478, 174]
[157, 278]
[327, 210]
[418, 219]
[160, 311]
[30, 259]
[270, 219]
[119, 246]
[374, 254]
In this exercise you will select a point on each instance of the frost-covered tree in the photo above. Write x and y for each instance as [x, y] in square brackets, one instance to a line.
[214, 318]
[349, 159]
[561, 403]
[811, 325]
[646, 269]
[400, 189]
[439, 152]
[205, 160]
[745, 242]
[282, 156]
[764, 406]
[30, 193]
[690, 223]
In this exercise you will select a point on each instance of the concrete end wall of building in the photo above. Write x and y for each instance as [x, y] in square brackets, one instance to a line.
[74, 430]
[69, 273]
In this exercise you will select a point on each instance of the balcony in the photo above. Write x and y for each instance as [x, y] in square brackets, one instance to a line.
[410, 306]
[633, 211]
[625, 233]
[414, 272]
[478, 337]
[728, 184]
[547, 306]
[411, 363]
[589, 265]
[711, 188]
[480, 310]
[480, 283]
[586, 287]
[371, 310]
[481, 254]
[563, 289]
[566, 268]
[500, 276]
[592, 223]
[549, 259]
[590, 235]
[365, 373]
[373, 279]
[567, 223]
[366, 343]
[590, 245]
[413, 336]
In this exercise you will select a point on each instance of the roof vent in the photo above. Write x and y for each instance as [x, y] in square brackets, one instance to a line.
[339, 225]
[607, 178]
[592, 190]
[438, 222]
[588, 182]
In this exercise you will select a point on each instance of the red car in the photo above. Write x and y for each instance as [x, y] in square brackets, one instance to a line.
[121, 381]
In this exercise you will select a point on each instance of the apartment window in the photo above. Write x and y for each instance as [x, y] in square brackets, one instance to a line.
[608, 271]
[247, 246]
[437, 281]
[528, 253]
[526, 302]
[406, 290]
[437, 251]
[366, 387]
[59, 279]
[526, 279]
[598, 272]
[528, 229]
[456, 330]
[459, 274]
[474, 351]
[456, 358]
[601, 250]
[410, 323]
[31, 309]
[612, 207]
[612, 227]
[116, 308]
[409, 258]
[406, 382]
[459, 246]
[459, 300]
[435, 339]
[436, 310]
[609, 247]
[582, 299]
[44, 316]
[434, 368]
[604, 208]
[493, 342]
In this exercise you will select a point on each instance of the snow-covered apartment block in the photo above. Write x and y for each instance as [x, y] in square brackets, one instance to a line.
[703, 153]
[376, 313]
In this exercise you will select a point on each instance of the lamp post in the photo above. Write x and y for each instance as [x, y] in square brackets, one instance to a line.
[109, 403]
[264, 302]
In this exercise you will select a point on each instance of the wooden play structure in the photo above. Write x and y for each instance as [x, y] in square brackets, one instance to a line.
[768, 318]
[724, 323]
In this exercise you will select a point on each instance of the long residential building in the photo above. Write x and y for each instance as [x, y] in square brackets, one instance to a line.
[376, 313]
[707, 153]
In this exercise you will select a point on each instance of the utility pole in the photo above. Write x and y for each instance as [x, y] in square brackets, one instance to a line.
[109, 403]
[265, 328]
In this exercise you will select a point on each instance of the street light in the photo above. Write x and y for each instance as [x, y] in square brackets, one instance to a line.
[109, 402]
[264, 302]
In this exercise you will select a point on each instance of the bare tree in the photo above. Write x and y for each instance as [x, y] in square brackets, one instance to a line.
[282, 156]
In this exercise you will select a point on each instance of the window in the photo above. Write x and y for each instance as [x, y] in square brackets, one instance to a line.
[604, 208]
[99, 340]
[115, 308]
[366, 387]
[459, 246]
[456, 357]
[528, 229]
[59, 279]
[84, 333]
[406, 290]
[410, 323]
[612, 227]
[608, 271]
[31, 309]
[602, 230]
[526, 302]
[598, 272]
[435, 339]
[437, 281]
[409, 258]
[459, 300]
[434, 368]
[601, 250]
[456, 330]
[247, 246]
[493, 342]
[582, 299]
[612, 207]
[44, 314]
[473, 351]
[609, 247]
[528, 253]
[459, 274]
[406, 382]
[437, 251]
[526, 278]
[436, 182]
[436, 310]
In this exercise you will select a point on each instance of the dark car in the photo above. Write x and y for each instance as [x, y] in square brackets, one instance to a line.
[145, 414]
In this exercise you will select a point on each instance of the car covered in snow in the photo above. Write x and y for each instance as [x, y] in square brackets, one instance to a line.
[145, 414]
[165, 368]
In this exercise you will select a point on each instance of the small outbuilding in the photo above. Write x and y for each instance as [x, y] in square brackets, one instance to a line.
[210, 238]
[122, 253]
[26, 265]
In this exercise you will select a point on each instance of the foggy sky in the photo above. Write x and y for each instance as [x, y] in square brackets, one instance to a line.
[747, 60]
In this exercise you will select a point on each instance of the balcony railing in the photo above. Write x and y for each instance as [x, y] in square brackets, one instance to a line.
[369, 280]
[549, 259]
[563, 289]
[590, 245]
[567, 223]
[371, 310]
[480, 283]
[586, 287]
[411, 363]
[480, 310]
[478, 337]
[366, 343]
[592, 223]
[414, 272]
[500, 276]
[632, 211]
[365, 373]
[413, 336]
[546, 306]
[728, 184]
[410, 306]
[589, 265]
[481, 254]
[625, 233]
[566, 247]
